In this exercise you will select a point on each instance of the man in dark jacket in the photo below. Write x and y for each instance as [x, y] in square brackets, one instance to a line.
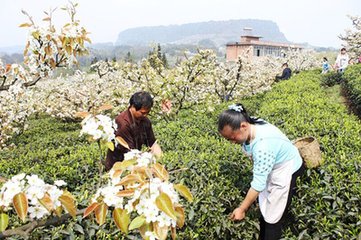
[135, 128]
[286, 73]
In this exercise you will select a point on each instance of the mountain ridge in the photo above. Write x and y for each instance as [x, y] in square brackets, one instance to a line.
[218, 32]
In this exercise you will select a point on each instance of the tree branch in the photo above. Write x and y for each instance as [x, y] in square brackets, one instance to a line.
[32, 83]
[26, 229]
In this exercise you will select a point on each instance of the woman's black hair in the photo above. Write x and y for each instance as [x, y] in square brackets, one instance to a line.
[140, 100]
[233, 117]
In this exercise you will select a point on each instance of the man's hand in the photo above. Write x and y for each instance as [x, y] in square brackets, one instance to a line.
[238, 214]
[156, 150]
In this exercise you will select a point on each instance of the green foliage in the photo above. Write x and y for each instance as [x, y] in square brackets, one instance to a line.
[331, 78]
[352, 86]
[329, 205]
[214, 171]
[53, 150]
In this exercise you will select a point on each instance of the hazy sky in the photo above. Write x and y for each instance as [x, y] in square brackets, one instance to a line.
[317, 22]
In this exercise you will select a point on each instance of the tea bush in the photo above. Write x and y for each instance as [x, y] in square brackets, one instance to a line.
[352, 86]
[329, 206]
[53, 150]
[331, 78]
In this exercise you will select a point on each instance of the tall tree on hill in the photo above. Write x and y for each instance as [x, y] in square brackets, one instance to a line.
[164, 60]
[94, 60]
[157, 52]
[128, 57]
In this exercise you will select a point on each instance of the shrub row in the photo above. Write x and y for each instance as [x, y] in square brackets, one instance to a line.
[329, 205]
[331, 78]
[352, 86]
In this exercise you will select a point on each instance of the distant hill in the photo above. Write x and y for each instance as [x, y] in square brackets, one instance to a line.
[216, 33]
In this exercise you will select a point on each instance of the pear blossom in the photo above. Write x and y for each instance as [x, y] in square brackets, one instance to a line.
[34, 180]
[59, 183]
[164, 220]
[54, 193]
[18, 177]
[37, 212]
[12, 188]
[35, 189]
[151, 235]
[99, 127]
[35, 192]
[131, 154]
[145, 159]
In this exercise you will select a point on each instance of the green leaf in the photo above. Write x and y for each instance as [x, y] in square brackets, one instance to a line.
[123, 165]
[4, 221]
[110, 145]
[36, 35]
[67, 201]
[164, 203]
[160, 171]
[47, 202]
[90, 209]
[137, 222]
[25, 25]
[129, 179]
[184, 191]
[122, 142]
[121, 219]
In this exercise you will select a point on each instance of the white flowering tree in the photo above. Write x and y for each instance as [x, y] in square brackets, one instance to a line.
[138, 191]
[103, 68]
[300, 60]
[227, 78]
[183, 86]
[46, 49]
[352, 37]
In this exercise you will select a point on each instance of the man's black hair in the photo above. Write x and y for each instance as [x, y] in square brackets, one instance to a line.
[140, 100]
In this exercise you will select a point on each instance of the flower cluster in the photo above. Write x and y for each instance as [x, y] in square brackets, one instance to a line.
[140, 187]
[352, 37]
[30, 194]
[99, 127]
[48, 49]
[234, 107]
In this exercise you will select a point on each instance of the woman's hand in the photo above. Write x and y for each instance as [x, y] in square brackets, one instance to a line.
[238, 214]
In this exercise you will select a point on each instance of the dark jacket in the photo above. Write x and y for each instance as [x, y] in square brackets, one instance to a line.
[136, 134]
[286, 74]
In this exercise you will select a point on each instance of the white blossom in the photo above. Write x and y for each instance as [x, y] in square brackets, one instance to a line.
[151, 235]
[59, 183]
[37, 212]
